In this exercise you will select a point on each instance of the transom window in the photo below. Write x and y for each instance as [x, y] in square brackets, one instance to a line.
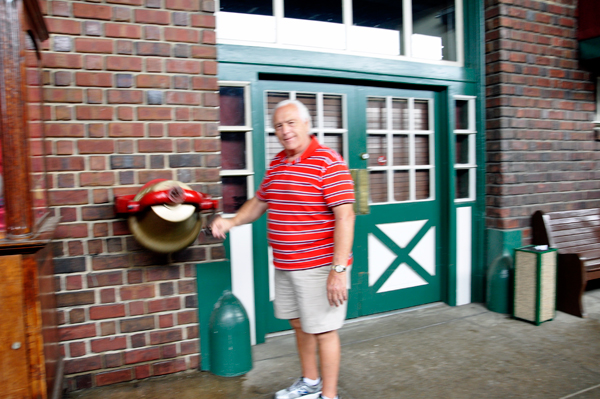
[400, 144]
[236, 153]
[420, 29]
[326, 111]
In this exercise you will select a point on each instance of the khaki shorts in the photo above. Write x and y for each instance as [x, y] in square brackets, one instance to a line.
[303, 294]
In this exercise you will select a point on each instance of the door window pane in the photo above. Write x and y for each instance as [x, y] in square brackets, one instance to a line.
[378, 187]
[462, 148]
[400, 114]
[335, 141]
[232, 105]
[233, 150]
[421, 150]
[274, 147]
[310, 100]
[235, 193]
[322, 10]
[401, 150]
[258, 7]
[462, 114]
[421, 115]
[377, 149]
[332, 112]
[273, 98]
[401, 185]
[462, 183]
[422, 184]
[376, 113]
[434, 21]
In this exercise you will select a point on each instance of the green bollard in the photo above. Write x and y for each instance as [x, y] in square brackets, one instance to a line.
[229, 337]
[499, 285]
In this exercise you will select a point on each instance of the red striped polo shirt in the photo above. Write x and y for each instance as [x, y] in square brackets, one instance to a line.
[300, 195]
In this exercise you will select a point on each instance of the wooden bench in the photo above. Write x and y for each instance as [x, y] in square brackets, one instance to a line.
[576, 234]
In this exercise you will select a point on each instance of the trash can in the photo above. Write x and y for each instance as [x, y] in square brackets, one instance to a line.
[535, 283]
[229, 336]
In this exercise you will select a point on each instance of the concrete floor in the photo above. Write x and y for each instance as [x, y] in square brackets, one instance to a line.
[435, 351]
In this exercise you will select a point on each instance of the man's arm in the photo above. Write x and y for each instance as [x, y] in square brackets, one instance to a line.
[248, 213]
[343, 236]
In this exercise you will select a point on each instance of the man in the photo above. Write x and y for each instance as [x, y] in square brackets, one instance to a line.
[308, 193]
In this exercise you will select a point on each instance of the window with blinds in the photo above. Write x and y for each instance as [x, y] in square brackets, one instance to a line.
[327, 112]
[400, 144]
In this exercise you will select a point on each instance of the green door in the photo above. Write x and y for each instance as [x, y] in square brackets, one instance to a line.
[396, 243]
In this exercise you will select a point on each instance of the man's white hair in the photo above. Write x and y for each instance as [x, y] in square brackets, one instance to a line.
[304, 114]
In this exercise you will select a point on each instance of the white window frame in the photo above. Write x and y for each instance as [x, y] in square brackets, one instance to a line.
[471, 133]
[247, 131]
[273, 31]
[411, 167]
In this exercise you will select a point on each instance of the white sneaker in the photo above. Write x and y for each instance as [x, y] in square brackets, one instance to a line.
[300, 389]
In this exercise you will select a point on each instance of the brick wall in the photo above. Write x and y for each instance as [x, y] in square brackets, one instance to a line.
[130, 95]
[541, 149]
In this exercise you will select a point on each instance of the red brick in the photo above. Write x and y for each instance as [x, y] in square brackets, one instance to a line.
[169, 367]
[154, 65]
[162, 305]
[137, 324]
[203, 21]
[93, 79]
[62, 60]
[60, 8]
[102, 46]
[182, 35]
[94, 62]
[169, 351]
[154, 113]
[185, 130]
[125, 96]
[209, 67]
[187, 317]
[108, 344]
[124, 64]
[165, 321]
[113, 377]
[136, 308]
[183, 5]
[155, 145]
[127, 31]
[91, 11]
[142, 355]
[152, 17]
[77, 349]
[94, 112]
[192, 67]
[137, 292]
[74, 283]
[146, 176]
[204, 52]
[73, 366]
[153, 81]
[189, 347]
[142, 371]
[70, 230]
[68, 197]
[126, 130]
[209, 37]
[107, 311]
[127, 2]
[125, 113]
[182, 98]
[63, 26]
[92, 146]
[77, 332]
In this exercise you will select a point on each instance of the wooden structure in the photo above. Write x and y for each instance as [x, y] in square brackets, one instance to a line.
[576, 236]
[29, 353]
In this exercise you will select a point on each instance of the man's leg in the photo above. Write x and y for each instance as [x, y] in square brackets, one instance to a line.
[330, 354]
[307, 350]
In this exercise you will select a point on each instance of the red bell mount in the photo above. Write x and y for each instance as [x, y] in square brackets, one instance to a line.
[174, 195]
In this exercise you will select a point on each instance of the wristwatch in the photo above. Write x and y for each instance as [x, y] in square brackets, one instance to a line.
[339, 268]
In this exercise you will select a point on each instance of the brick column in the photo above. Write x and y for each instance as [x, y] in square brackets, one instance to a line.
[130, 95]
[541, 152]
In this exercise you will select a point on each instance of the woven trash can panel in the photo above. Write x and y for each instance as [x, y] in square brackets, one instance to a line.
[535, 284]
